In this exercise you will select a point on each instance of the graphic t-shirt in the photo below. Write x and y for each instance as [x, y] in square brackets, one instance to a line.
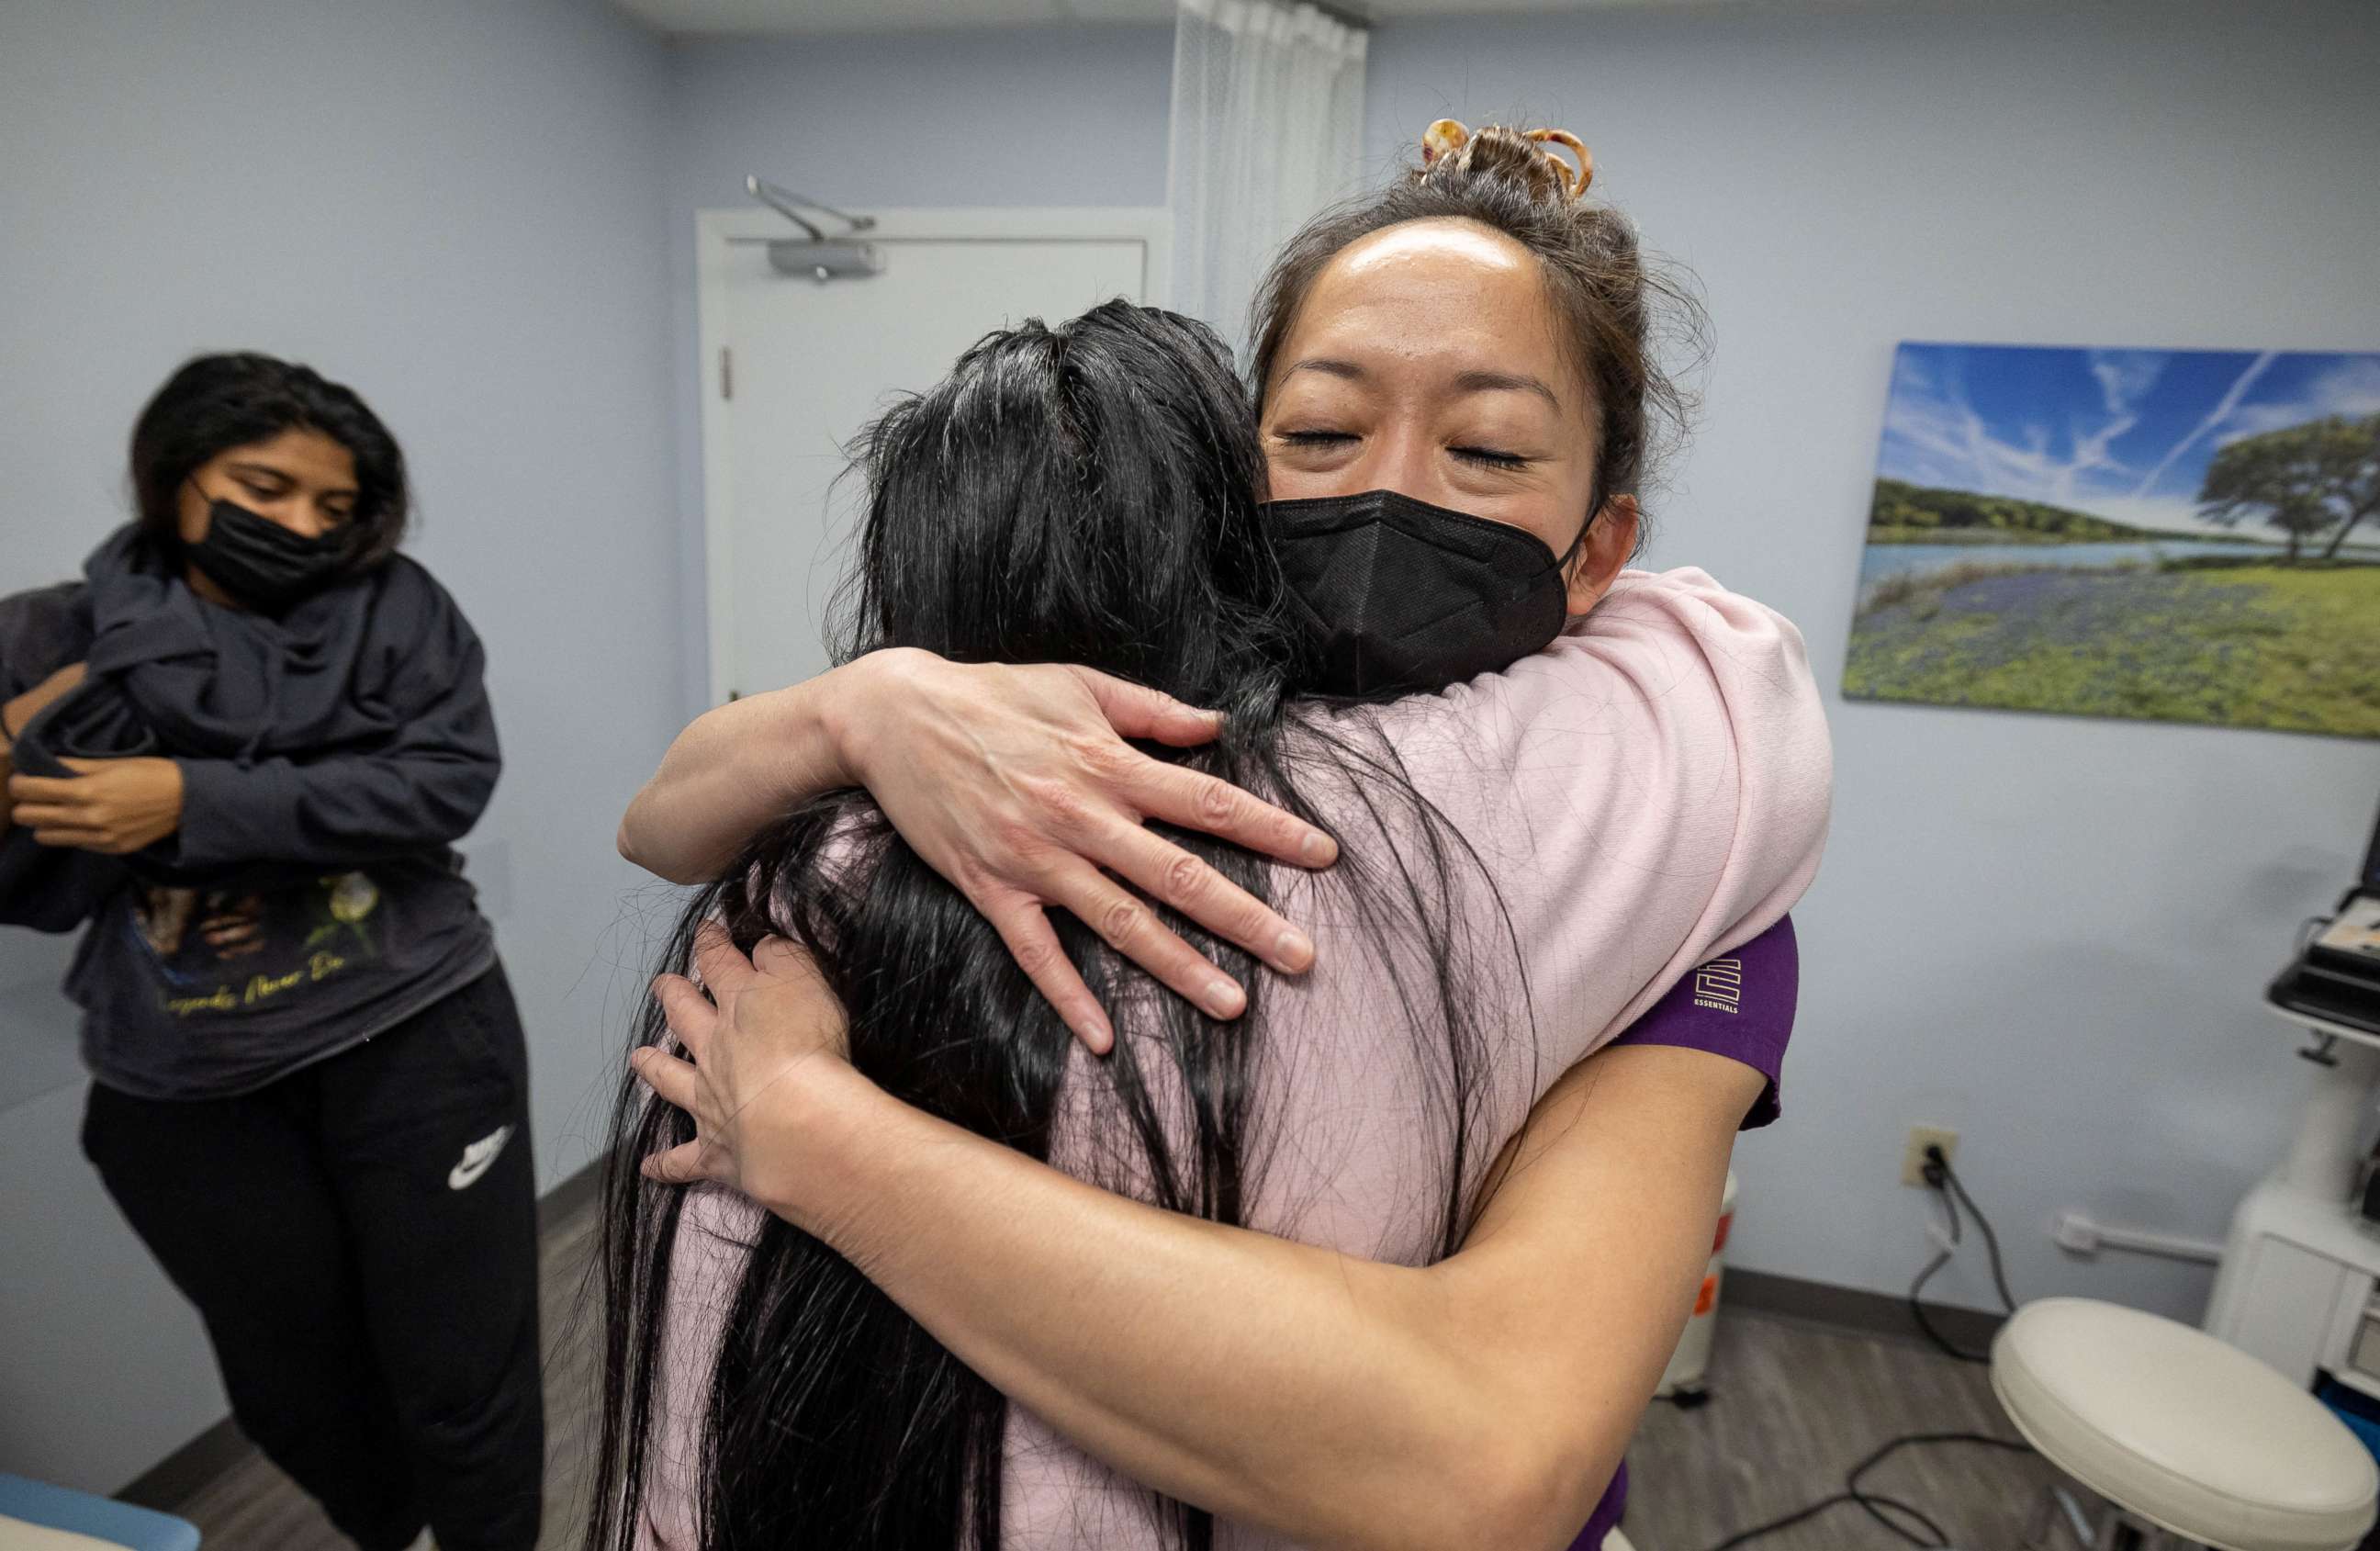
[206, 993]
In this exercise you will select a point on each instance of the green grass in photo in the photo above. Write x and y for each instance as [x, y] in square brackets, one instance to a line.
[2241, 642]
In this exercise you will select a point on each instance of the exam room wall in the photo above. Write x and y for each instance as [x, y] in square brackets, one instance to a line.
[455, 206]
[1047, 117]
[2049, 933]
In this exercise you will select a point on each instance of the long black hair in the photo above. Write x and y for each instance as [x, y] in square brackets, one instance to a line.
[1086, 493]
[215, 403]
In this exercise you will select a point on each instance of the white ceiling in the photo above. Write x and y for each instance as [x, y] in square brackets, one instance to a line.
[795, 16]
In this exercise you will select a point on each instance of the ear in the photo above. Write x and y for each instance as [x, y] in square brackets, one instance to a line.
[1610, 539]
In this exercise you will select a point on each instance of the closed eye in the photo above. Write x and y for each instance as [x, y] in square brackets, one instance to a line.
[1316, 438]
[1489, 457]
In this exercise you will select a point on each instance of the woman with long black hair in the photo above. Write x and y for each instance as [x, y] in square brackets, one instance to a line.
[1459, 392]
[1089, 493]
[238, 751]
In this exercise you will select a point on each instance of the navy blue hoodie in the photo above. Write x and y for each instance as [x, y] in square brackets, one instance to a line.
[329, 756]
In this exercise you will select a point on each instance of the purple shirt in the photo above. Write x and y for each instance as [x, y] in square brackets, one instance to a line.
[1741, 1007]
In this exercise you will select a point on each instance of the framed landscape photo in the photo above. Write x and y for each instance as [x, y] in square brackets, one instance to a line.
[2181, 534]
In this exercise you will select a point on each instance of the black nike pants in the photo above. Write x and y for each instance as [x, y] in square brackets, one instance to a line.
[362, 1245]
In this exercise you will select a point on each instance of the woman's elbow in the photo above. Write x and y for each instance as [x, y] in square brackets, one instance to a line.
[1532, 1498]
[1510, 1492]
[634, 847]
[646, 844]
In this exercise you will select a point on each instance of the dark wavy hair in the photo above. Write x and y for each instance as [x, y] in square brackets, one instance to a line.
[215, 403]
[1086, 493]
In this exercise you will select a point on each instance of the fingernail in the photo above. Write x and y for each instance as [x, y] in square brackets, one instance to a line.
[1319, 851]
[1223, 998]
[1100, 1033]
[1292, 950]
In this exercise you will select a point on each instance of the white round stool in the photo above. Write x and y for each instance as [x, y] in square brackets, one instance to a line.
[2179, 1433]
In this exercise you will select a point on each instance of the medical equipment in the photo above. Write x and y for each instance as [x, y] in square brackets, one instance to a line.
[2299, 1284]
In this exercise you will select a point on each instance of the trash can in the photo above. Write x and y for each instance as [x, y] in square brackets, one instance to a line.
[1683, 1376]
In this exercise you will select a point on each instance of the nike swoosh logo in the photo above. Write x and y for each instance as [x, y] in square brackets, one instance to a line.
[478, 1158]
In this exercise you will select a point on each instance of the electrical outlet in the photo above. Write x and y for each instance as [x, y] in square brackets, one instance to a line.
[1912, 1159]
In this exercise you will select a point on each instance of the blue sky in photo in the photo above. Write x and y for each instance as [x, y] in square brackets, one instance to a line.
[2122, 434]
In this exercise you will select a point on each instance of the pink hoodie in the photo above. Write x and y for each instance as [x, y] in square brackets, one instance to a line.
[1647, 792]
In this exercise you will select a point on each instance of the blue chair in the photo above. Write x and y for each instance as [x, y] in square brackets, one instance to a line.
[55, 1508]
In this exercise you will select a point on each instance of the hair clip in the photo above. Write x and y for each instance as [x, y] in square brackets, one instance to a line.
[1574, 182]
[1448, 135]
[1443, 139]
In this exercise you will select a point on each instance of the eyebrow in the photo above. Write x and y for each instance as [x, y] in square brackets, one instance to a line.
[1468, 382]
[1504, 382]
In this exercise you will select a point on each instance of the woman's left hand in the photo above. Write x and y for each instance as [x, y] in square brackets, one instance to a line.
[764, 1019]
[113, 806]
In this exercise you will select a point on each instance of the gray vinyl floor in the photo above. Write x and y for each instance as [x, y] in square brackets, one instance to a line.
[1791, 1408]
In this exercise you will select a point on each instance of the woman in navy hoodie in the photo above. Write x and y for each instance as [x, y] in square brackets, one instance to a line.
[236, 754]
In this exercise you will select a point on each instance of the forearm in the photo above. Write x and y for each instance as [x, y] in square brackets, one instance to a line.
[335, 813]
[731, 772]
[1337, 1400]
[17, 709]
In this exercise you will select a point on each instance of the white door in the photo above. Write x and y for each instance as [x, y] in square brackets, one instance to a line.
[794, 366]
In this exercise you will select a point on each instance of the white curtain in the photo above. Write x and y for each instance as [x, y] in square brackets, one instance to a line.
[1268, 129]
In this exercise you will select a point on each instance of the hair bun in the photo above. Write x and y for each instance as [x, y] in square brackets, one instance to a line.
[1449, 144]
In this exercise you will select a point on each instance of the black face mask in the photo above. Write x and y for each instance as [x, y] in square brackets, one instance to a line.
[261, 562]
[1399, 597]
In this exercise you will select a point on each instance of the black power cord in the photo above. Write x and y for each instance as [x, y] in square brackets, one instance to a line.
[1991, 1240]
[1875, 1503]
[1917, 1309]
[1945, 1182]
[1866, 1499]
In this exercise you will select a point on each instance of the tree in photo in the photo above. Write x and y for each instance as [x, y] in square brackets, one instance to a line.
[2303, 480]
[2357, 459]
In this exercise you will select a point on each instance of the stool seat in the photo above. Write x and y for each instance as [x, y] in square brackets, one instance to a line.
[16, 1534]
[2192, 1434]
[30, 1511]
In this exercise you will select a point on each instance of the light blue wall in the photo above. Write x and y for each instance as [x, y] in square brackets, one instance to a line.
[2109, 896]
[456, 207]
[1041, 117]
[2051, 934]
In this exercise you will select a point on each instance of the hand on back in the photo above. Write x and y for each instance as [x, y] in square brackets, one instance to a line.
[1016, 784]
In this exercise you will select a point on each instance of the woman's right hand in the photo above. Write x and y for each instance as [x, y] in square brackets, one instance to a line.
[1015, 784]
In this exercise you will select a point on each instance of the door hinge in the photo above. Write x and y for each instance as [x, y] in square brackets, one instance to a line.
[726, 372]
